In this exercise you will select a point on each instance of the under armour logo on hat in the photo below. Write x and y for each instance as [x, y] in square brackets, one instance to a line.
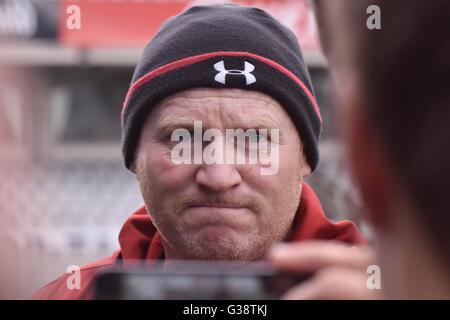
[248, 68]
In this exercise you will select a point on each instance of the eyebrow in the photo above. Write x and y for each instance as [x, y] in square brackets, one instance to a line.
[265, 122]
[175, 121]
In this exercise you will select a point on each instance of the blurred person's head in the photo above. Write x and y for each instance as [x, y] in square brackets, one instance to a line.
[230, 67]
[393, 91]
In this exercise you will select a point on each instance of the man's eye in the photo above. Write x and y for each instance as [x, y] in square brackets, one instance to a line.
[259, 137]
[168, 137]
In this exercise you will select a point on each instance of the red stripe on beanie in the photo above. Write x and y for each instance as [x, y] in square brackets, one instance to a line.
[191, 60]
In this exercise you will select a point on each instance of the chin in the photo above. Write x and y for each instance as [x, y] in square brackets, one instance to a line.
[216, 244]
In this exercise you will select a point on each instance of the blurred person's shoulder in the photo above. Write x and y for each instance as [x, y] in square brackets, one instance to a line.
[64, 287]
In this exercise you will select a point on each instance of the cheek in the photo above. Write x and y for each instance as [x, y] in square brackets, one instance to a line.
[288, 173]
[279, 194]
[156, 167]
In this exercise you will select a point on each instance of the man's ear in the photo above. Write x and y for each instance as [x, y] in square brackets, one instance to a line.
[133, 164]
[306, 169]
[369, 160]
[132, 168]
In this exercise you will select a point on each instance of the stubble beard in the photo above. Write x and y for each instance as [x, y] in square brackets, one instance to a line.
[208, 245]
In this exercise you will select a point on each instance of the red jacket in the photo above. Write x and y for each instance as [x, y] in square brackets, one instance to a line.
[139, 239]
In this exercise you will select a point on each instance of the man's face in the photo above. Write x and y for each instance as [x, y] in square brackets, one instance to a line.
[219, 211]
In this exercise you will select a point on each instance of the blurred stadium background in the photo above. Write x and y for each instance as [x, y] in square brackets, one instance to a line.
[64, 192]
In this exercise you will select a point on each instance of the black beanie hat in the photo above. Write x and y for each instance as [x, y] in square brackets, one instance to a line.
[223, 46]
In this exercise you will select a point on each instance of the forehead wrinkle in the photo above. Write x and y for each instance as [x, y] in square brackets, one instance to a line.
[183, 97]
[253, 115]
[250, 121]
[172, 113]
[194, 100]
[222, 92]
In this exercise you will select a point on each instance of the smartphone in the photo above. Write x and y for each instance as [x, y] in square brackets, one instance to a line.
[196, 280]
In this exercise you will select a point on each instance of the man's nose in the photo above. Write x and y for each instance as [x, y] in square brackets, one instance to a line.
[218, 177]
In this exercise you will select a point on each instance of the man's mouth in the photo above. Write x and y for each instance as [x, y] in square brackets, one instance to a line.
[228, 205]
[218, 214]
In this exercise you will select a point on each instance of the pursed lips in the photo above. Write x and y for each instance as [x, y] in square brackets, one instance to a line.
[216, 205]
[217, 214]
